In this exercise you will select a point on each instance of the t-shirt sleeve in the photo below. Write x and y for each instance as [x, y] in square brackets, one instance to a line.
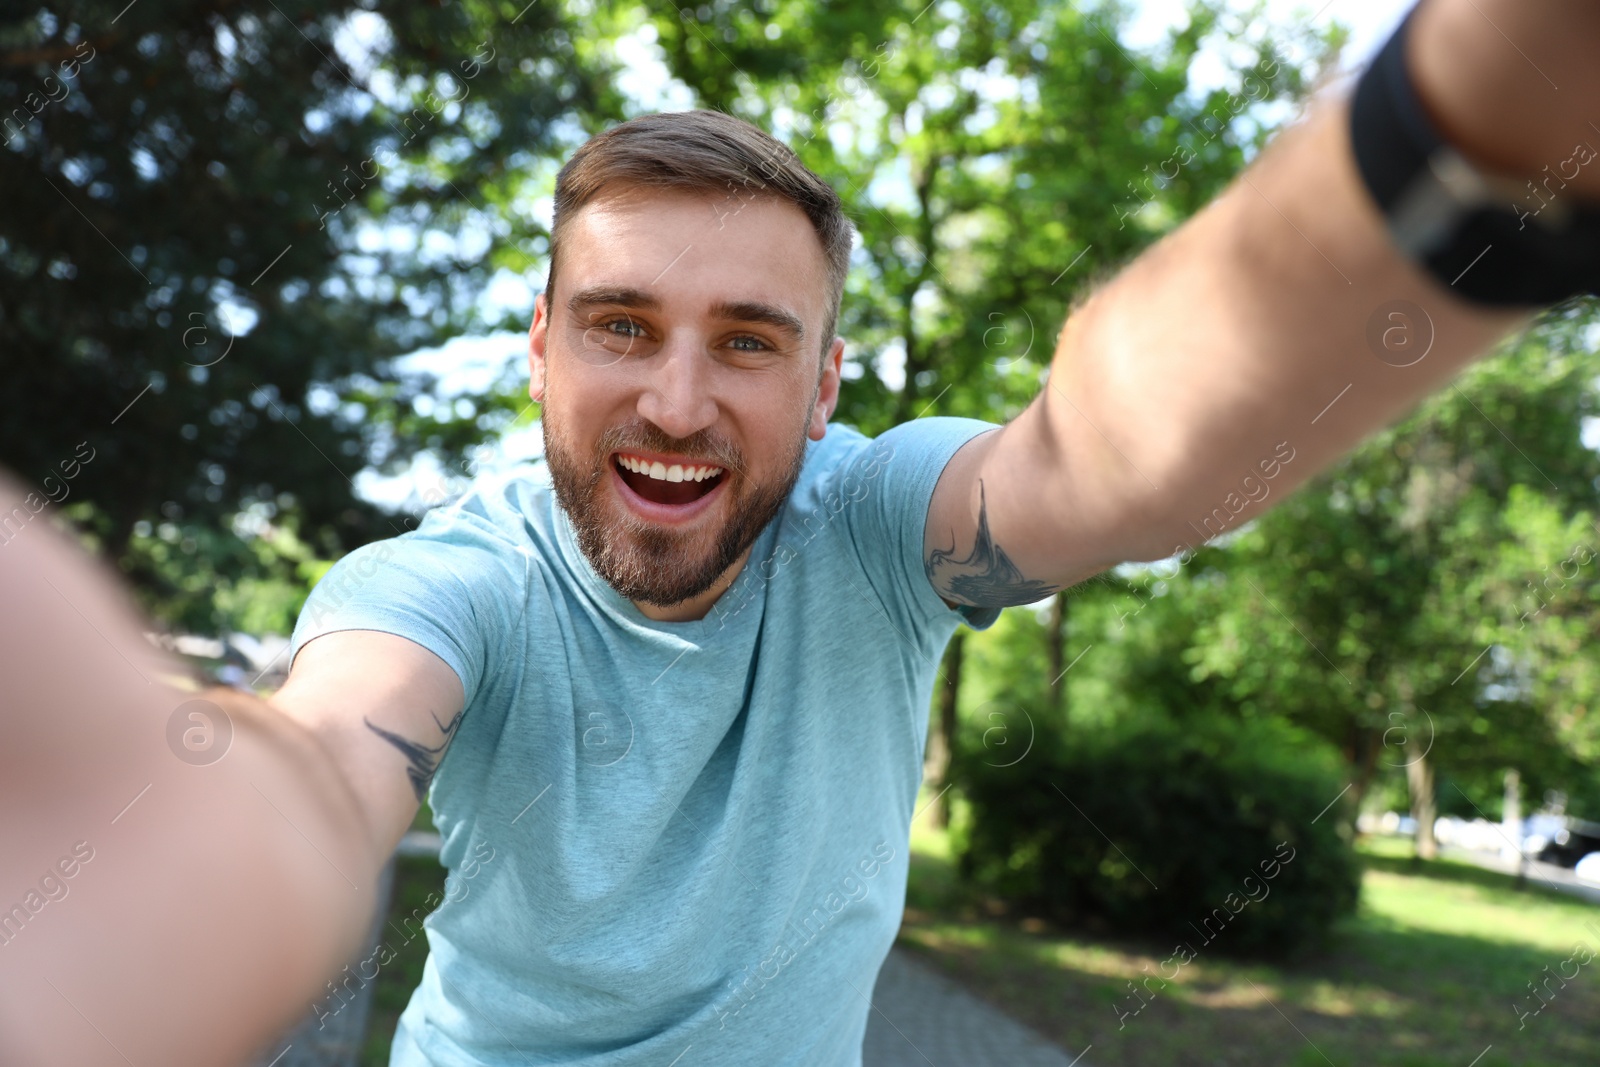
[890, 483]
[451, 586]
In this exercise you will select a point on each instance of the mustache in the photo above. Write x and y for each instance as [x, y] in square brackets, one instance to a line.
[645, 436]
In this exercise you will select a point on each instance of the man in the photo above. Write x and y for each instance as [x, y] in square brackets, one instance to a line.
[676, 688]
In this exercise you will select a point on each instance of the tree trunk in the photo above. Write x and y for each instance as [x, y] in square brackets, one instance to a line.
[942, 736]
[1511, 809]
[1058, 656]
[1364, 747]
[1419, 778]
[916, 359]
[1511, 824]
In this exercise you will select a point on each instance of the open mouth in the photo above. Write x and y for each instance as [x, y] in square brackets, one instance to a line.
[668, 485]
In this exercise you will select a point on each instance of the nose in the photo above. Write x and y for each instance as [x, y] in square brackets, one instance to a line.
[677, 395]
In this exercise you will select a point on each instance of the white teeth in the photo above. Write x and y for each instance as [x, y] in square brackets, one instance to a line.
[663, 473]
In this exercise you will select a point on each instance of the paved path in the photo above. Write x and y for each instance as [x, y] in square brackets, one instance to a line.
[921, 1019]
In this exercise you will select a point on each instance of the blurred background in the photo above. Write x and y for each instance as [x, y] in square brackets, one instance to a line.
[265, 271]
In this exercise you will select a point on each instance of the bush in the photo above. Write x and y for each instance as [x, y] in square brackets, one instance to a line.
[1203, 831]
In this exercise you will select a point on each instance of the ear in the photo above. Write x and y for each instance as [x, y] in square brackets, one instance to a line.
[827, 390]
[538, 334]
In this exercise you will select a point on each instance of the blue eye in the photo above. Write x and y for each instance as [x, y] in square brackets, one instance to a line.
[755, 344]
[629, 328]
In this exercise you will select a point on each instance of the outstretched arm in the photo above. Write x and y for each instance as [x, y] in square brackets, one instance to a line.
[1232, 360]
[181, 872]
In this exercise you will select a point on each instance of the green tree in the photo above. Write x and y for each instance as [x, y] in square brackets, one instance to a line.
[1384, 605]
[220, 223]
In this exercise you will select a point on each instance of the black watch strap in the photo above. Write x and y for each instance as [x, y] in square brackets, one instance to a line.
[1489, 238]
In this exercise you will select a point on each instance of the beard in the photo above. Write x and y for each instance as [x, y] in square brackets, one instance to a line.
[644, 561]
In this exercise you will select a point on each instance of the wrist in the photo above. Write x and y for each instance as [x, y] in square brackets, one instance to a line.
[1483, 234]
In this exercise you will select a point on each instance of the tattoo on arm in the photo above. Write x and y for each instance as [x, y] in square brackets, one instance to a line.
[424, 760]
[987, 577]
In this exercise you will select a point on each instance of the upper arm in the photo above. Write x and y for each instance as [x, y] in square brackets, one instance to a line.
[393, 645]
[1187, 383]
[385, 709]
[995, 535]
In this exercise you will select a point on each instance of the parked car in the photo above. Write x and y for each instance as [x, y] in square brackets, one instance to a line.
[1560, 839]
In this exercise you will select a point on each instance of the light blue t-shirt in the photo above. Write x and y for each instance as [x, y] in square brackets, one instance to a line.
[671, 843]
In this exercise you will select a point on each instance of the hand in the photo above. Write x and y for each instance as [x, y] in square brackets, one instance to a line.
[209, 899]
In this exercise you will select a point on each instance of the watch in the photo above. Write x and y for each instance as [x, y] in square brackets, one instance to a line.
[1490, 238]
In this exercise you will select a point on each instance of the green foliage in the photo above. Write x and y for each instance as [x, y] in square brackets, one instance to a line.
[222, 220]
[1201, 831]
[208, 581]
[1434, 591]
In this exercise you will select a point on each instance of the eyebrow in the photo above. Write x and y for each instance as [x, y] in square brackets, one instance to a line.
[754, 311]
[778, 318]
[613, 296]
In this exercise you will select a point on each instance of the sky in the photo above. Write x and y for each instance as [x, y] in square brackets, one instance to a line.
[466, 365]
[1369, 21]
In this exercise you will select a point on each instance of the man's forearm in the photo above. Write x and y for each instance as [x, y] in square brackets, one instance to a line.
[216, 897]
[1244, 336]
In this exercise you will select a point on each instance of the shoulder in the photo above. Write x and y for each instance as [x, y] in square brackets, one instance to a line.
[927, 444]
[486, 536]
[911, 455]
[874, 494]
[838, 446]
[507, 510]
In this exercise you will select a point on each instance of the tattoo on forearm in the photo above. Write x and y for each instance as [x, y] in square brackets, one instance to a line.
[987, 577]
[424, 760]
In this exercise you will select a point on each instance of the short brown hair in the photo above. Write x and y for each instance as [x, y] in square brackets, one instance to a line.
[705, 151]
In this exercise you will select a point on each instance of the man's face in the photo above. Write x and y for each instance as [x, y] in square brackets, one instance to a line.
[679, 362]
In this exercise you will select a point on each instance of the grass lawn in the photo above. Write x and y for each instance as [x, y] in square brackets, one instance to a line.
[1428, 973]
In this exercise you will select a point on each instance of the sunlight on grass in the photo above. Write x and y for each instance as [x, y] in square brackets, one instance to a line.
[1503, 915]
[1424, 975]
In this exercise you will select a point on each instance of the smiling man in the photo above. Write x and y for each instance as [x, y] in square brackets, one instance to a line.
[677, 677]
